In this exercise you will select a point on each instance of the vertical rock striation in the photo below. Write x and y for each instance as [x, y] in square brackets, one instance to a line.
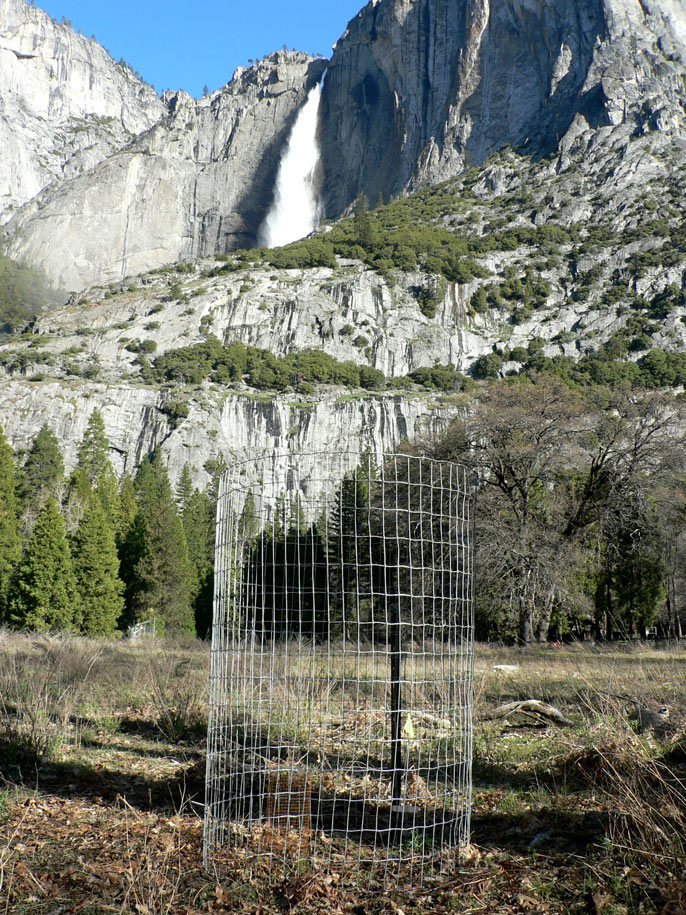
[65, 105]
[419, 89]
[198, 183]
[232, 426]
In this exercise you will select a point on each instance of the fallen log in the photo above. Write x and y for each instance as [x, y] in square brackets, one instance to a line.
[532, 707]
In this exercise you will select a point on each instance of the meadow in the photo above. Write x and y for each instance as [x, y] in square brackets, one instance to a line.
[102, 784]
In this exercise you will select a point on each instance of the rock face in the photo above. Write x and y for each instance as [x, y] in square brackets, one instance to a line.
[593, 91]
[419, 89]
[64, 104]
[199, 182]
[232, 427]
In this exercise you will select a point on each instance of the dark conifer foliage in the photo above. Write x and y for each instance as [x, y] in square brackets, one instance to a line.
[160, 580]
[198, 517]
[127, 499]
[43, 475]
[10, 536]
[44, 596]
[96, 565]
[285, 574]
[94, 473]
[94, 451]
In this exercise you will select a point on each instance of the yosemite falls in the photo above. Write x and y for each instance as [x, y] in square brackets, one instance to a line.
[295, 210]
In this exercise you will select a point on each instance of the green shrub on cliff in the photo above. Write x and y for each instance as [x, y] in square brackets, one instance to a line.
[260, 369]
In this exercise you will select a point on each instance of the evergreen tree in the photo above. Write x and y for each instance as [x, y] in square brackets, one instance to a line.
[44, 595]
[362, 222]
[96, 566]
[129, 545]
[95, 448]
[94, 473]
[184, 489]
[161, 576]
[10, 537]
[127, 502]
[44, 469]
[198, 524]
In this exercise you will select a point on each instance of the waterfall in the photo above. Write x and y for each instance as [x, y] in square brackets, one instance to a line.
[295, 210]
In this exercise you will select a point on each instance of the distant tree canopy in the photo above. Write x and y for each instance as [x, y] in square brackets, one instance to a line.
[581, 527]
[406, 235]
[261, 369]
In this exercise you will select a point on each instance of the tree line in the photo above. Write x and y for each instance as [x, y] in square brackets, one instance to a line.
[90, 554]
[580, 530]
[581, 519]
[580, 527]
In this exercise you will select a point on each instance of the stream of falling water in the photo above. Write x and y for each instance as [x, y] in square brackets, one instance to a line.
[295, 210]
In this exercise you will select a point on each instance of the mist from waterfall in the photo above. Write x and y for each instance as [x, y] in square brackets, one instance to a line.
[295, 210]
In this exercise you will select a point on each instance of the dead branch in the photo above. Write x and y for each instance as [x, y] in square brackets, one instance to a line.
[531, 706]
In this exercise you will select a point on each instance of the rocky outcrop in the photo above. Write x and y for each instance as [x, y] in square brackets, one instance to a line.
[65, 105]
[232, 427]
[416, 91]
[419, 89]
[199, 182]
[606, 269]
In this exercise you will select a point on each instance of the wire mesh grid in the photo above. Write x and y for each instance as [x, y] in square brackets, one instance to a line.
[340, 730]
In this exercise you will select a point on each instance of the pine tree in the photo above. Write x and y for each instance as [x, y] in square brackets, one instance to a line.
[129, 545]
[198, 524]
[362, 222]
[184, 489]
[44, 469]
[96, 566]
[128, 507]
[10, 537]
[161, 576]
[94, 473]
[44, 595]
[95, 448]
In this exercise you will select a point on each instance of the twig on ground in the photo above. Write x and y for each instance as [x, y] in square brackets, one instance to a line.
[531, 706]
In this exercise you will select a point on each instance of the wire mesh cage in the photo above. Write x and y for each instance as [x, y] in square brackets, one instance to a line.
[340, 730]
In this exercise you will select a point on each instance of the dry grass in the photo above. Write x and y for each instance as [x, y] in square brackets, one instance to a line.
[583, 819]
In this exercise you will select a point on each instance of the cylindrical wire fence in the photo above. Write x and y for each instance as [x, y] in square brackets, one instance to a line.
[340, 728]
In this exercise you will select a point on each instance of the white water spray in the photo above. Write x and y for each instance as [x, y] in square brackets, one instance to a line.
[295, 211]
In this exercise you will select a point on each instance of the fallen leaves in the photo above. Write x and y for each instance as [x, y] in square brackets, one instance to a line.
[599, 901]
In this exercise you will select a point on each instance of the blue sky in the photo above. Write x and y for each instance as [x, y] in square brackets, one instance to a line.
[178, 45]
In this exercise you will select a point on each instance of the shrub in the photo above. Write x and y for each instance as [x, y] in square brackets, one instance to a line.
[519, 354]
[142, 346]
[259, 368]
[439, 377]
[487, 366]
[479, 301]
[175, 412]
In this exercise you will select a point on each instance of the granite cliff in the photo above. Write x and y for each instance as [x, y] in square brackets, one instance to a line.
[198, 182]
[416, 91]
[65, 105]
[558, 131]
[419, 89]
